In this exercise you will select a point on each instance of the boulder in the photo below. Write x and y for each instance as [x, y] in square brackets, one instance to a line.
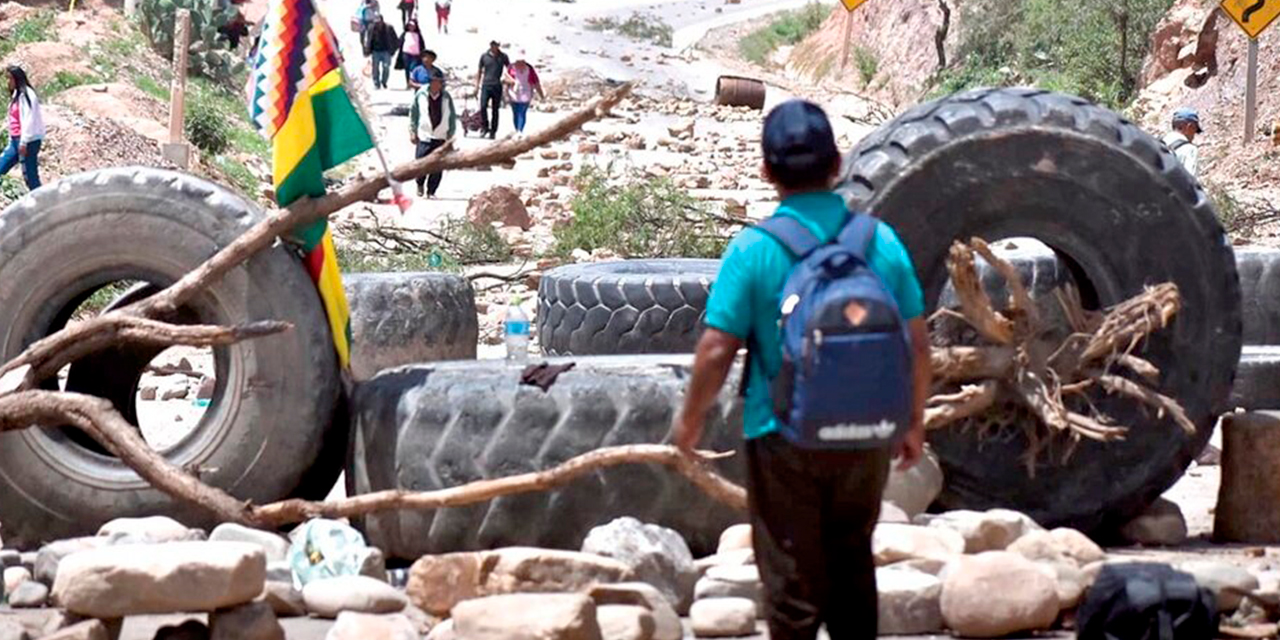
[915, 489]
[1058, 545]
[499, 204]
[731, 581]
[992, 530]
[285, 600]
[438, 582]
[50, 555]
[625, 622]
[11, 629]
[328, 597]
[152, 529]
[642, 594]
[728, 558]
[893, 514]
[13, 577]
[29, 595]
[276, 547]
[997, 593]
[252, 621]
[550, 616]
[723, 617]
[87, 630]
[1218, 576]
[364, 626]
[734, 538]
[656, 555]
[898, 542]
[910, 602]
[1161, 525]
[443, 631]
[159, 578]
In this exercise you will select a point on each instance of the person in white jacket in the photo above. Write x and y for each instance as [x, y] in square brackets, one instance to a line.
[432, 121]
[26, 129]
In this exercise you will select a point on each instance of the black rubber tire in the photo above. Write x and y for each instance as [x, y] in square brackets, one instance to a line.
[1257, 386]
[632, 306]
[408, 318]
[434, 426]
[1100, 191]
[1260, 293]
[275, 398]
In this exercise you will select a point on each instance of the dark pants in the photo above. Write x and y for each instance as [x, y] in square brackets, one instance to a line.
[812, 515]
[30, 164]
[410, 63]
[425, 147]
[381, 68]
[490, 105]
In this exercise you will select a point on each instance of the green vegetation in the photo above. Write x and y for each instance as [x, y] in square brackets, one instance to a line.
[639, 26]
[207, 127]
[150, 86]
[64, 80]
[37, 27]
[379, 248]
[638, 217]
[209, 55]
[1091, 48]
[868, 64]
[99, 299]
[787, 29]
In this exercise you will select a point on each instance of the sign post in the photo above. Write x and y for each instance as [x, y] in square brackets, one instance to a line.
[851, 5]
[1253, 16]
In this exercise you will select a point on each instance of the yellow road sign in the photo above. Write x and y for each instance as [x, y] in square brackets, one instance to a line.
[854, 4]
[1254, 16]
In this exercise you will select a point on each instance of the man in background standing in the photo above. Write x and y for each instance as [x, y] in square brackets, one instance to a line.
[432, 121]
[382, 43]
[1182, 140]
[493, 65]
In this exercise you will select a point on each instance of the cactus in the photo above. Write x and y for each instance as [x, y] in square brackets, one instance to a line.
[208, 53]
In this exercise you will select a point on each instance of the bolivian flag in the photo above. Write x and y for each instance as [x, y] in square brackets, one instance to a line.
[296, 99]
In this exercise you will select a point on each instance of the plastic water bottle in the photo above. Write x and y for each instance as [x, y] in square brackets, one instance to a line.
[517, 332]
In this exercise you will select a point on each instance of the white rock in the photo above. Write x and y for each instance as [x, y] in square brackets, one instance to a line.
[910, 602]
[14, 576]
[893, 514]
[731, 581]
[723, 617]
[734, 538]
[992, 530]
[87, 630]
[666, 621]
[443, 631]
[328, 597]
[29, 595]
[285, 600]
[547, 616]
[1217, 576]
[365, 626]
[656, 555]
[1058, 545]
[625, 622]
[915, 489]
[252, 621]
[114, 582]
[1162, 524]
[730, 558]
[1071, 582]
[898, 542]
[152, 529]
[11, 629]
[997, 593]
[50, 556]
[276, 547]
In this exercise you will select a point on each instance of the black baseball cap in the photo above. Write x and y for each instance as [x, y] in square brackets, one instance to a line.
[798, 140]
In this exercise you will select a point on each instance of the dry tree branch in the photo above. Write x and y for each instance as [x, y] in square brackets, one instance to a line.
[1164, 405]
[968, 364]
[970, 401]
[975, 304]
[1019, 299]
[1133, 320]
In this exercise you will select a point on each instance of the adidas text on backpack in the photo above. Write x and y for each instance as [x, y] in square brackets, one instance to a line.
[846, 377]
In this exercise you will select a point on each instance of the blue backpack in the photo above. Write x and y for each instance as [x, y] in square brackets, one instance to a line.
[846, 377]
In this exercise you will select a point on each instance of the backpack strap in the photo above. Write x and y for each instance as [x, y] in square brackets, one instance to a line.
[858, 234]
[792, 233]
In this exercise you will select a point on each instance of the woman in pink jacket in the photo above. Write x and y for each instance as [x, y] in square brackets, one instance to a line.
[26, 129]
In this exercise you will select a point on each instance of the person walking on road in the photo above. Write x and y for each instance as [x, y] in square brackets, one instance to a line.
[381, 42]
[822, 419]
[425, 70]
[1182, 139]
[411, 48]
[407, 12]
[432, 121]
[523, 83]
[443, 7]
[364, 17]
[26, 129]
[493, 64]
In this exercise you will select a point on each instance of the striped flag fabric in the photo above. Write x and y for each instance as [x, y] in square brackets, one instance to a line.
[297, 101]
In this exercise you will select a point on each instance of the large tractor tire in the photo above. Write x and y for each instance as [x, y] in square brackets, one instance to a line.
[1260, 293]
[430, 427]
[632, 306]
[408, 318]
[1122, 213]
[275, 399]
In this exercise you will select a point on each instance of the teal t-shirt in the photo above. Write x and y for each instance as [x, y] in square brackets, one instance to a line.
[746, 298]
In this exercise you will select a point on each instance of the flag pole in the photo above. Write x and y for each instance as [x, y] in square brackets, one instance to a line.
[397, 188]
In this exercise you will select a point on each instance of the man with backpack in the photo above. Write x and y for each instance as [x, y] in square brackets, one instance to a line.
[1182, 139]
[837, 374]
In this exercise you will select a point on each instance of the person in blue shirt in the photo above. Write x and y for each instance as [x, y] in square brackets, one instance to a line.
[812, 511]
[426, 69]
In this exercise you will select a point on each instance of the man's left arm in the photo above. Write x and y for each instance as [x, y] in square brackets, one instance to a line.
[711, 364]
[912, 448]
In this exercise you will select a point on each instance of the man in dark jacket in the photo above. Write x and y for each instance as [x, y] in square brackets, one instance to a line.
[382, 43]
[493, 66]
